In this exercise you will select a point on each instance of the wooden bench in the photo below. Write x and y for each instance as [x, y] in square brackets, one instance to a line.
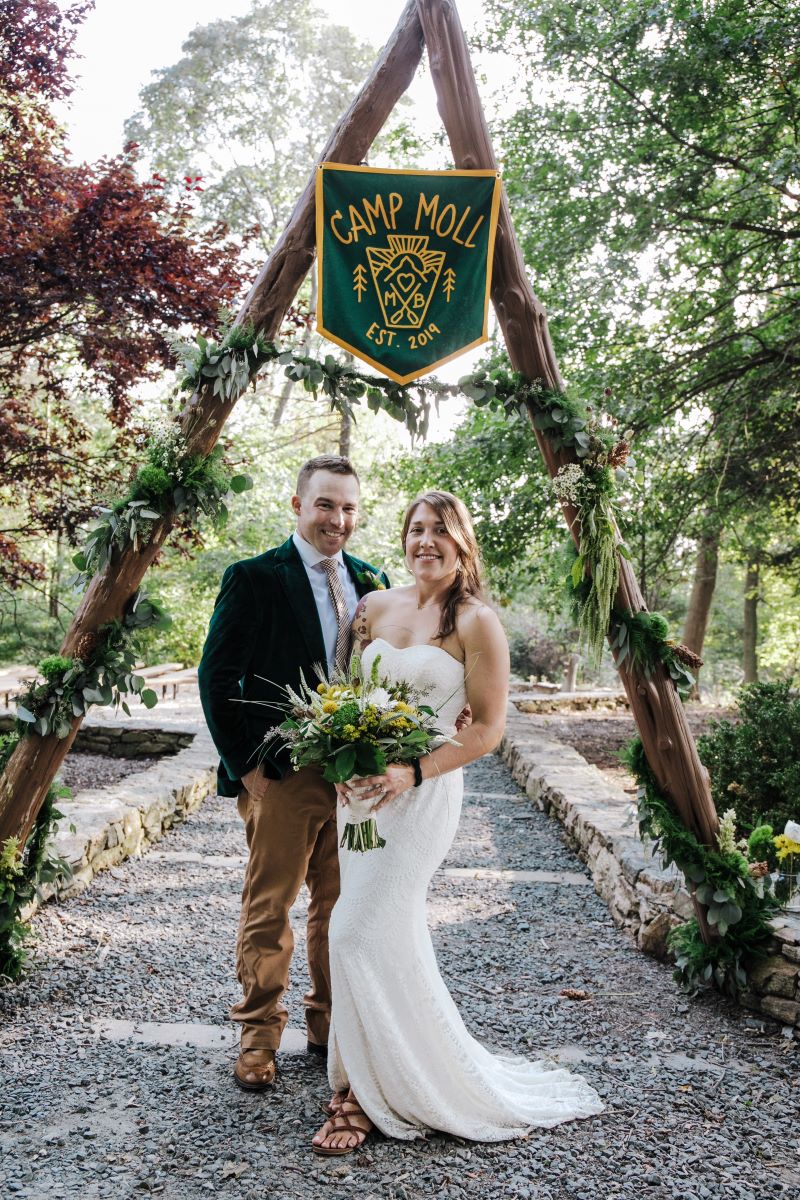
[158, 669]
[11, 681]
[175, 680]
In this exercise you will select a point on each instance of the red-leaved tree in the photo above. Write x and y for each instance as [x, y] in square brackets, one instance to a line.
[96, 269]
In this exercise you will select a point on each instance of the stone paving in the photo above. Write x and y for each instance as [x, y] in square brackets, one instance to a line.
[116, 1050]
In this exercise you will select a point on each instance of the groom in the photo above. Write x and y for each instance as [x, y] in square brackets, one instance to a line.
[283, 612]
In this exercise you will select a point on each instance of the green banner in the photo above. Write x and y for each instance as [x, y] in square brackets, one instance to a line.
[405, 263]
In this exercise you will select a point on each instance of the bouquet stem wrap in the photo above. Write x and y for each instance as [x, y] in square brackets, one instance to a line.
[361, 831]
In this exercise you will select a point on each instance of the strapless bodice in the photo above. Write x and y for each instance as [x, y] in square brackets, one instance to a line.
[434, 674]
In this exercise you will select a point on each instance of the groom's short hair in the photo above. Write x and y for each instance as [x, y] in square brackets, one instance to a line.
[336, 463]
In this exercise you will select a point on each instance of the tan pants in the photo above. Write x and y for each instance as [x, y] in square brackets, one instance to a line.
[291, 835]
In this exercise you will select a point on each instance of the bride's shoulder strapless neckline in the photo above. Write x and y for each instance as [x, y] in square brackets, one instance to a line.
[418, 646]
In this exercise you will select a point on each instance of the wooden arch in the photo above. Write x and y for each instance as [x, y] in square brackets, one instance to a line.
[434, 24]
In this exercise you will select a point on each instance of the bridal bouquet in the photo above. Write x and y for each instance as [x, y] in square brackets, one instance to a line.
[353, 726]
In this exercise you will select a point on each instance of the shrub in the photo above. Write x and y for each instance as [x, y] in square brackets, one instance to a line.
[755, 763]
[534, 654]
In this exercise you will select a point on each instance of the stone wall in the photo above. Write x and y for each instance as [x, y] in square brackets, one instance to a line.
[644, 898]
[103, 826]
[122, 740]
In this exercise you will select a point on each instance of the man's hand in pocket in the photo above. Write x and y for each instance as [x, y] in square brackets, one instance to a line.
[256, 783]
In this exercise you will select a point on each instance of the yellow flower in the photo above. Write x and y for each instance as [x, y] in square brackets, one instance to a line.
[330, 706]
[784, 846]
[322, 688]
[401, 706]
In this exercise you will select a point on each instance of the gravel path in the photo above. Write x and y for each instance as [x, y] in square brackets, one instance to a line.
[80, 771]
[701, 1103]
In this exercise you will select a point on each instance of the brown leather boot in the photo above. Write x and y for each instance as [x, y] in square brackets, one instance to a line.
[255, 1070]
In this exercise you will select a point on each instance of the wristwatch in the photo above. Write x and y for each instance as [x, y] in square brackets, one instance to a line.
[414, 762]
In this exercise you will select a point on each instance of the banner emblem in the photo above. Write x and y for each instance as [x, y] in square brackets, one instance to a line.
[404, 261]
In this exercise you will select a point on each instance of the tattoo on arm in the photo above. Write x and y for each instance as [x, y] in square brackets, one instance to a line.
[360, 627]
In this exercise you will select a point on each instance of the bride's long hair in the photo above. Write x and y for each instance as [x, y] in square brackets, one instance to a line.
[454, 515]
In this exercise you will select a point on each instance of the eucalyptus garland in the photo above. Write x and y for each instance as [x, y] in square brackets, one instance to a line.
[241, 354]
[101, 673]
[736, 892]
[170, 479]
[24, 869]
[640, 640]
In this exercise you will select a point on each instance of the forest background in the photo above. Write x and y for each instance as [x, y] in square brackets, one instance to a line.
[652, 162]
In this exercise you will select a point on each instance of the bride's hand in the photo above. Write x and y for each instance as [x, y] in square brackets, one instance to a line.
[342, 793]
[380, 789]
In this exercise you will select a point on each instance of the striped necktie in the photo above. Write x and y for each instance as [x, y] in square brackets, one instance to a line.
[342, 652]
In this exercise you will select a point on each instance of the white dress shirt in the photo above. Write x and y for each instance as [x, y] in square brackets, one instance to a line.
[322, 594]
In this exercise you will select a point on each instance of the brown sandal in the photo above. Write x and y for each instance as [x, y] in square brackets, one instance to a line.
[340, 1123]
[335, 1103]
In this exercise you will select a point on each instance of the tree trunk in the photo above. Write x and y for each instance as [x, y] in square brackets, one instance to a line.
[703, 584]
[571, 673]
[54, 580]
[345, 431]
[283, 399]
[655, 703]
[34, 763]
[750, 638]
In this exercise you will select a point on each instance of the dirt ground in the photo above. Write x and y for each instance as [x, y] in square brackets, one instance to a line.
[599, 736]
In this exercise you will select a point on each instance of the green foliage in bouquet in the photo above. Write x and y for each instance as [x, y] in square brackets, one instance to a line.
[353, 726]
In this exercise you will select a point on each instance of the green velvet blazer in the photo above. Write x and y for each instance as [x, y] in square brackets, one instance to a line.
[264, 631]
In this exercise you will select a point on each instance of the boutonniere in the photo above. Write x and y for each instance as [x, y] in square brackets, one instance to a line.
[370, 580]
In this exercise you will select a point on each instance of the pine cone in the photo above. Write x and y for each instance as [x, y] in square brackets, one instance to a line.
[619, 455]
[574, 994]
[86, 646]
[759, 870]
[687, 656]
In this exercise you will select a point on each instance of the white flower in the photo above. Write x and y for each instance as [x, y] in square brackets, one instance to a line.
[792, 830]
[568, 482]
[727, 831]
[377, 696]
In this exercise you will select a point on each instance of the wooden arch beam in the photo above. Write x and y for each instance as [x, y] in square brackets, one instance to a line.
[668, 743]
[34, 763]
[667, 739]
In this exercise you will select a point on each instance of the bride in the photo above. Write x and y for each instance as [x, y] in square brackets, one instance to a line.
[399, 1055]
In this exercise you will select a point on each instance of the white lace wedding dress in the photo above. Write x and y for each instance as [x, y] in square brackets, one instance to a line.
[396, 1036]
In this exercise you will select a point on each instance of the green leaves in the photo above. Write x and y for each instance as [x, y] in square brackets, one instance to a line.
[641, 638]
[241, 483]
[23, 870]
[343, 765]
[102, 677]
[738, 907]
